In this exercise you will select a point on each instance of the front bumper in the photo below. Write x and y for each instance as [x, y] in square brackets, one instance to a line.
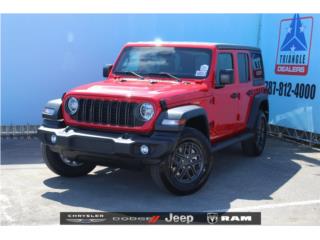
[110, 149]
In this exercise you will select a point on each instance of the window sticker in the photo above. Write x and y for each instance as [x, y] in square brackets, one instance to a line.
[204, 67]
[200, 73]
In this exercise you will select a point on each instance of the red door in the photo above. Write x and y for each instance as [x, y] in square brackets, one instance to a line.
[225, 97]
[243, 85]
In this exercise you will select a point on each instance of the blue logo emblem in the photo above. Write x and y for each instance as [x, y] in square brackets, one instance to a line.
[294, 45]
[295, 39]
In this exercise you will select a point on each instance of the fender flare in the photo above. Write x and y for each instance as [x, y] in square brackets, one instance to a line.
[53, 120]
[55, 105]
[255, 108]
[186, 113]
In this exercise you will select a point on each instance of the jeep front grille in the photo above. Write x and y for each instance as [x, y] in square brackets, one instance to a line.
[115, 113]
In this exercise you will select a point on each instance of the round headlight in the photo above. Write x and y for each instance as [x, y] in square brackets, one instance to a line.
[72, 105]
[146, 111]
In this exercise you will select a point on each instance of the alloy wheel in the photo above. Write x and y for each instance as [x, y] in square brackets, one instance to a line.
[261, 132]
[71, 163]
[187, 162]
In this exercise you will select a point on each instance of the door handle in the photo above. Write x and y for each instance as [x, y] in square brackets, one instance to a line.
[250, 93]
[235, 95]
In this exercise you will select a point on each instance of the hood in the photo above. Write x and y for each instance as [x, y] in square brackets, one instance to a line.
[169, 90]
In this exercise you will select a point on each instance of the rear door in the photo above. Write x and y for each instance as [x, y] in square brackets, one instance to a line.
[244, 85]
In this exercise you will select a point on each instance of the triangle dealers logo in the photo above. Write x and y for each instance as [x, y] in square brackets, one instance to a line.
[294, 45]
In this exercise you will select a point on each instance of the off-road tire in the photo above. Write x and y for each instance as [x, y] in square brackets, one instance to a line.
[255, 145]
[55, 164]
[198, 159]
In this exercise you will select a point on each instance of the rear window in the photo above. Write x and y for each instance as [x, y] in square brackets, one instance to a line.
[257, 66]
[243, 65]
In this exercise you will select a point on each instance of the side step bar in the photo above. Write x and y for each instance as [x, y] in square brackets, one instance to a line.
[226, 143]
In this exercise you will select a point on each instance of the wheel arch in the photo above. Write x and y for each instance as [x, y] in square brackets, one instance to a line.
[264, 106]
[193, 116]
[260, 102]
[200, 123]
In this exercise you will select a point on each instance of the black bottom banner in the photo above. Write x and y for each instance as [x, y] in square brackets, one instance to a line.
[204, 218]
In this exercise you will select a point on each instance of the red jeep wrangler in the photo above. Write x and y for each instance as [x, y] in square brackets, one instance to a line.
[165, 106]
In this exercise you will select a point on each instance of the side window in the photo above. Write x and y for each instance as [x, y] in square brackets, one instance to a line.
[243, 66]
[225, 62]
[257, 66]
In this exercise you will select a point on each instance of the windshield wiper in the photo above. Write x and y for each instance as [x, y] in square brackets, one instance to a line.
[164, 74]
[131, 73]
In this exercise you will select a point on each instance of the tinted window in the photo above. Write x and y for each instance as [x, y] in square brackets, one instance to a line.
[225, 61]
[178, 61]
[257, 66]
[243, 65]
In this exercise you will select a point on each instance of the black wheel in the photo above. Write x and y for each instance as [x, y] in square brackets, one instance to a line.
[188, 167]
[255, 145]
[63, 166]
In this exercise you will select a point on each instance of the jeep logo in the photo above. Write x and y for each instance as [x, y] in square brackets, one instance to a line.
[179, 218]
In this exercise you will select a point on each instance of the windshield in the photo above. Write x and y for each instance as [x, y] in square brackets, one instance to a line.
[165, 61]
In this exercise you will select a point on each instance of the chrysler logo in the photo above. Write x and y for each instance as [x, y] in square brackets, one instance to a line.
[85, 220]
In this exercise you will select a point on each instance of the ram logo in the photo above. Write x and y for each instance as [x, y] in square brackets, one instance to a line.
[236, 218]
[212, 218]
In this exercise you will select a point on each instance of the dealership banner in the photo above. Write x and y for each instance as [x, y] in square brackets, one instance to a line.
[290, 46]
[207, 218]
[294, 45]
[291, 49]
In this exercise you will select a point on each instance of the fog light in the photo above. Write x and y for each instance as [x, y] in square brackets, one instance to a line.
[144, 149]
[53, 138]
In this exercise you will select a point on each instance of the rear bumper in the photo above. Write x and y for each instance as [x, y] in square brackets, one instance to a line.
[111, 149]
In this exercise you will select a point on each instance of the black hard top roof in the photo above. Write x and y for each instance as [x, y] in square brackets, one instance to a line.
[236, 46]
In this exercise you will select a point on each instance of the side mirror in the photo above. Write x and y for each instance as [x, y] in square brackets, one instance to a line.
[226, 76]
[107, 70]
